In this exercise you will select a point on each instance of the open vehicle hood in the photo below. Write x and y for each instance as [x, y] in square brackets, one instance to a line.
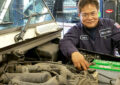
[25, 24]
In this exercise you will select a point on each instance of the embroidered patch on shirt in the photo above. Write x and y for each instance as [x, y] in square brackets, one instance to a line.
[84, 37]
[105, 32]
[117, 25]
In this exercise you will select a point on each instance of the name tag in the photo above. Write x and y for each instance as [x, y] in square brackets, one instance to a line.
[105, 32]
[84, 37]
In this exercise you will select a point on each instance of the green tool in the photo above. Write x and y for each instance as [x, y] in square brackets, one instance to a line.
[106, 65]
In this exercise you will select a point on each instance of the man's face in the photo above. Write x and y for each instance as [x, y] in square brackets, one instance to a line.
[89, 15]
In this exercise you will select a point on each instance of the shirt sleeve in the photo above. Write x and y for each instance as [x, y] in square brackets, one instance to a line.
[116, 37]
[68, 44]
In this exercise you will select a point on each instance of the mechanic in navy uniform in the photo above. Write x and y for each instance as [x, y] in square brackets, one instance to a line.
[92, 33]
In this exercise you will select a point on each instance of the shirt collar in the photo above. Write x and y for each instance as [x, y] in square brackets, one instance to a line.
[100, 23]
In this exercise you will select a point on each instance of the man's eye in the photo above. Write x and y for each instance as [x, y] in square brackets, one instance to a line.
[93, 13]
[84, 15]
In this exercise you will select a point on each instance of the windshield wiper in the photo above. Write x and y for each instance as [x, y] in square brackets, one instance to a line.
[35, 14]
[20, 36]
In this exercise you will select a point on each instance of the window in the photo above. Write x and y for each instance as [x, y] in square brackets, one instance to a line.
[15, 13]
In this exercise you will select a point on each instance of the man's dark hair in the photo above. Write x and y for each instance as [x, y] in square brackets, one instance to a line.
[82, 3]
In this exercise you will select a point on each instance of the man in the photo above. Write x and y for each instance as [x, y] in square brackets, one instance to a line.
[100, 35]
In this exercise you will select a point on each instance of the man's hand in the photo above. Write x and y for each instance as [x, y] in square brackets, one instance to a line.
[79, 61]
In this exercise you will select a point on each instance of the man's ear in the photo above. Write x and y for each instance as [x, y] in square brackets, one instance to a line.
[78, 14]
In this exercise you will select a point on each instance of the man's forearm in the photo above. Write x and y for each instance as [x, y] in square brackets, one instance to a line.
[67, 48]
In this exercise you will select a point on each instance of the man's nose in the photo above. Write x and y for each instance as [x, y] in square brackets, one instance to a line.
[89, 16]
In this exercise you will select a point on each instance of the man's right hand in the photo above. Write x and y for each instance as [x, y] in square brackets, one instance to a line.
[79, 61]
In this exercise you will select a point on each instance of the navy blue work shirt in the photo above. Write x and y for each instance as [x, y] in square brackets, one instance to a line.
[104, 38]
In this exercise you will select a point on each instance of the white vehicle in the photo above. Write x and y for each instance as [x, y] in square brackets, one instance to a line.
[24, 25]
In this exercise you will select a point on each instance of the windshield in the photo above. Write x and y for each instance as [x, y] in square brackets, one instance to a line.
[14, 13]
[66, 11]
